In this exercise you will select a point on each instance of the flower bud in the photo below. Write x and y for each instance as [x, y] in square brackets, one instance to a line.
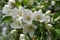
[22, 37]
[52, 3]
[48, 12]
[48, 26]
[12, 2]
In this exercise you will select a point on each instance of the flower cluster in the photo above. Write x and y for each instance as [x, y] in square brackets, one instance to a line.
[23, 18]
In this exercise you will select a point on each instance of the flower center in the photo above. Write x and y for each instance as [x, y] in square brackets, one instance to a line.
[38, 17]
[28, 18]
[20, 13]
[30, 27]
[18, 23]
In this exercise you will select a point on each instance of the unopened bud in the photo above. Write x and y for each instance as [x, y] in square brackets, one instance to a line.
[12, 2]
[22, 37]
[52, 3]
[48, 26]
[48, 12]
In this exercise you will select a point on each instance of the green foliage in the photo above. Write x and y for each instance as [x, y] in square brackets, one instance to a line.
[7, 19]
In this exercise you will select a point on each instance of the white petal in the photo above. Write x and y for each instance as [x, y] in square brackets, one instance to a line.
[42, 18]
[47, 19]
[25, 28]
[13, 25]
[6, 10]
[40, 11]
[38, 16]
[16, 24]
[31, 33]
[14, 12]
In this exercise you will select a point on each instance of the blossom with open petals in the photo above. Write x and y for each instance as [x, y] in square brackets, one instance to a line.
[6, 10]
[39, 16]
[17, 24]
[29, 28]
[27, 16]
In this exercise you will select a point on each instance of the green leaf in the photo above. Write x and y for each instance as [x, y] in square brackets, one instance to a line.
[18, 3]
[57, 18]
[58, 31]
[7, 19]
[56, 14]
[25, 1]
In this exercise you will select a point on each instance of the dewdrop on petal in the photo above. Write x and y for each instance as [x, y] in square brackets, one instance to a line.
[52, 3]
[22, 37]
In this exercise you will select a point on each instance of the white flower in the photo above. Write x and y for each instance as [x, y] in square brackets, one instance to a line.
[27, 16]
[38, 16]
[10, 5]
[6, 10]
[46, 18]
[21, 9]
[29, 28]
[14, 12]
[52, 3]
[10, 12]
[22, 37]
[17, 24]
